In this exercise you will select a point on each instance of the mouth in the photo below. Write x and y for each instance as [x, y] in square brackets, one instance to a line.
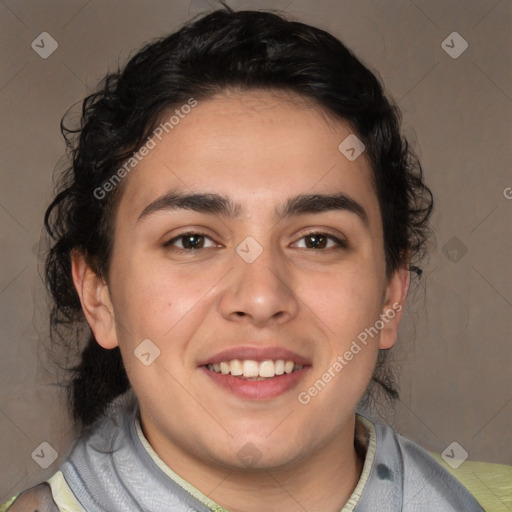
[256, 373]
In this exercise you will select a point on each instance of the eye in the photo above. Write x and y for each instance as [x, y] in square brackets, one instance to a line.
[318, 240]
[190, 241]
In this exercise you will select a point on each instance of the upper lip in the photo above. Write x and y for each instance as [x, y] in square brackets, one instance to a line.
[255, 354]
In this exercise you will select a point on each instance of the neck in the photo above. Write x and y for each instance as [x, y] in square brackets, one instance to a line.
[323, 481]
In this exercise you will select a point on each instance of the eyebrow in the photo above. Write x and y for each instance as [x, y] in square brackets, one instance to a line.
[216, 204]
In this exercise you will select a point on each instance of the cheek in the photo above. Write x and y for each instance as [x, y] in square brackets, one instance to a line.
[153, 297]
[348, 300]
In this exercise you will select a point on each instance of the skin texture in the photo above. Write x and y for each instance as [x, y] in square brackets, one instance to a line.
[258, 148]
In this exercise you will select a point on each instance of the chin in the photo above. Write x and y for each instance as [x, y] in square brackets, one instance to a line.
[259, 454]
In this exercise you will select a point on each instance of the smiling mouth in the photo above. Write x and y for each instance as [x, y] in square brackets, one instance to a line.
[249, 369]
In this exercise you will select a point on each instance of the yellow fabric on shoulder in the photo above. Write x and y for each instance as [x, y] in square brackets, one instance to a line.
[490, 484]
[61, 493]
[7, 504]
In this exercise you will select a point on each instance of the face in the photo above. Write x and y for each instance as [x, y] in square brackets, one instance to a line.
[279, 268]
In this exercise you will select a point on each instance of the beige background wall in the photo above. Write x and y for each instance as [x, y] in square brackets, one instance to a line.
[455, 346]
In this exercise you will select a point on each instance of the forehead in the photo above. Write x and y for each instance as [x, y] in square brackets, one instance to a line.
[256, 147]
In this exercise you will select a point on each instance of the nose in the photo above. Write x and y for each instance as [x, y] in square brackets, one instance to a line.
[260, 292]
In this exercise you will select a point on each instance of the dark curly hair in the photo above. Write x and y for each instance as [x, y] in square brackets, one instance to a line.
[223, 50]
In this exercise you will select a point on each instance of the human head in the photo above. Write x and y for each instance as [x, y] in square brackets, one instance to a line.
[241, 51]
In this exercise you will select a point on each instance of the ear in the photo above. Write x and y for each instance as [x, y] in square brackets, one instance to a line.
[95, 298]
[392, 309]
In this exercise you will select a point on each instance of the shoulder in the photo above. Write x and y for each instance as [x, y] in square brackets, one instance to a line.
[51, 496]
[426, 476]
[491, 484]
[403, 476]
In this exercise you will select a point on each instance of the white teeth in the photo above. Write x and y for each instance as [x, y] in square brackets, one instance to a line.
[250, 369]
[236, 367]
[267, 369]
[279, 367]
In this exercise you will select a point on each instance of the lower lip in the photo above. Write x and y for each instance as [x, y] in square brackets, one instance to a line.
[257, 389]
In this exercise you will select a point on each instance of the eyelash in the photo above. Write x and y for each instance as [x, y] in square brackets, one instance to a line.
[341, 244]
